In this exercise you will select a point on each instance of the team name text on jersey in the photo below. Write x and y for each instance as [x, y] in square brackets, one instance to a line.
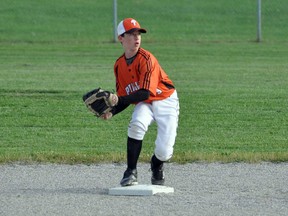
[132, 87]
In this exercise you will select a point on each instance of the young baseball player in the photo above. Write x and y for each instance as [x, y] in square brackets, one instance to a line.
[141, 81]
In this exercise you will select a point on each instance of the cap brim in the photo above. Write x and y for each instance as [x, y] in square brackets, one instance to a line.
[142, 30]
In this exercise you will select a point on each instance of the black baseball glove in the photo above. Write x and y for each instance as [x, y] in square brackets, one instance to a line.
[99, 101]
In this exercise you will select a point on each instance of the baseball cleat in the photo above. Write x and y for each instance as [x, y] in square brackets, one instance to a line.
[129, 177]
[157, 175]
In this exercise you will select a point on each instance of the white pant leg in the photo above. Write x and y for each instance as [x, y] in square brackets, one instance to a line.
[142, 117]
[166, 114]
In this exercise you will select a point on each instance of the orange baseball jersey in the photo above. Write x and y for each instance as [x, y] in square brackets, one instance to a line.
[143, 73]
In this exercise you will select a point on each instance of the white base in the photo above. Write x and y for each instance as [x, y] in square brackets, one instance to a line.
[140, 190]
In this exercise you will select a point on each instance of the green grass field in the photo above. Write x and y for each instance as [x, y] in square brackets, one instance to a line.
[232, 90]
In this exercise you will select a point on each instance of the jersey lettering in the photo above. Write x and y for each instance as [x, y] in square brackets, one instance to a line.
[158, 91]
[132, 87]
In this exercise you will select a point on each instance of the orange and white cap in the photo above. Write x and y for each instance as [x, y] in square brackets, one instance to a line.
[129, 25]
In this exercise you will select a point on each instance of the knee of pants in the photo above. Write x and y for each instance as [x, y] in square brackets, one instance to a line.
[164, 153]
[165, 146]
[137, 130]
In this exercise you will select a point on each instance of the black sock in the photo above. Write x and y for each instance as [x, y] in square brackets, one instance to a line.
[133, 151]
[156, 162]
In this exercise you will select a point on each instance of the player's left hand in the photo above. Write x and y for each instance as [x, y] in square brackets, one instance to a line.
[106, 116]
[100, 102]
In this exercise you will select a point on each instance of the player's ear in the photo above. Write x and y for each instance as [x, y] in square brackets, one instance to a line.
[122, 35]
[120, 38]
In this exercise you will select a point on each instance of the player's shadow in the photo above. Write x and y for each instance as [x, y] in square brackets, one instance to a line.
[99, 191]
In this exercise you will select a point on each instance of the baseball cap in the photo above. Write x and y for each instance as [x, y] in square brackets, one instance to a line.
[129, 25]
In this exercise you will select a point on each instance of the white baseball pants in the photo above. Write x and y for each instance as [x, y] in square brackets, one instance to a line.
[165, 113]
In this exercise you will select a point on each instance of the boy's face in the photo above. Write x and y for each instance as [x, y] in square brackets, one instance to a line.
[131, 41]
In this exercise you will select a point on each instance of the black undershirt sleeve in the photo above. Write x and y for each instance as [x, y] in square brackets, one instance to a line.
[125, 101]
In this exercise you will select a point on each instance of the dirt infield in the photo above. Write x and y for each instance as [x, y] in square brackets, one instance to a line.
[200, 189]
